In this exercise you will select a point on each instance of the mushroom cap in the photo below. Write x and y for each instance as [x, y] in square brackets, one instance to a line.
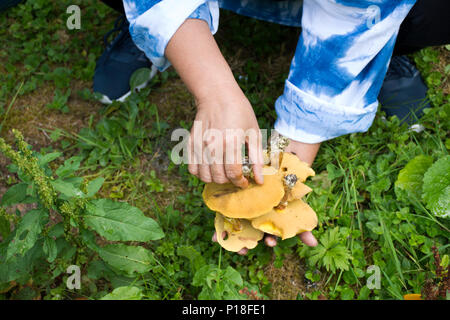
[296, 218]
[248, 203]
[298, 191]
[291, 164]
[247, 237]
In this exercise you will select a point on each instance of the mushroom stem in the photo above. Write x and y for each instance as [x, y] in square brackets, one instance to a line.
[277, 145]
[247, 168]
[289, 182]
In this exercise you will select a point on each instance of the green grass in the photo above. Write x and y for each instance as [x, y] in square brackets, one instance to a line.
[46, 73]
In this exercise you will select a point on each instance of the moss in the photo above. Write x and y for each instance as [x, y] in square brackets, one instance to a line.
[287, 281]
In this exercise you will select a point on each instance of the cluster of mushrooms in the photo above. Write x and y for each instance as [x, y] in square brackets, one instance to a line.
[275, 207]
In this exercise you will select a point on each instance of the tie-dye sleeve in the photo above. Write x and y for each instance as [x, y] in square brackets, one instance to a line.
[338, 68]
[154, 22]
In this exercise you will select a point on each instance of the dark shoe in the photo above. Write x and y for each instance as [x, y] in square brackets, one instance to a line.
[403, 94]
[5, 4]
[117, 63]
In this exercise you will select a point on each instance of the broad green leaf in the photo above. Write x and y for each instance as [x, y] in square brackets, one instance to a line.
[436, 187]
[128, 259]
[94, 185]
[232, 293]
[88, 238]
[118, 221]
[27, 232]
[50, 249]
[378, 187]
[213, 275]
[56, 230]
[347, 294]
[202, 273]
[334, 172]
[139, 77]
[67, 188]
[124, 293]
[410, 178]
[47, 158]
[19, 267]
[233, 276]
[75, 181]
[16, 194]
[196, 259]
[5, 227]
[364, 293]
[69, 167]
[65, 250]
[207, 294]
[98, 269]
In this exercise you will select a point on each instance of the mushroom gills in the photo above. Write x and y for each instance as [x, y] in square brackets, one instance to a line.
[248, 237]
[231, 225]
[269, 227]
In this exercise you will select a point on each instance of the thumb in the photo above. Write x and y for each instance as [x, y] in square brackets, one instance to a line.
[308, 239]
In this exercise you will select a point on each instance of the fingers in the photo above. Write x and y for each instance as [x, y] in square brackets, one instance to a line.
[199, 163]
[214, 237]
[241, 252]
[234, 174]
[218, 173]
[204, 173]
[194, 143]
[270, 241]
[206, 155]
[192, 164]
[256, 159]
[308, 239]
[233, 158]
[216, 155]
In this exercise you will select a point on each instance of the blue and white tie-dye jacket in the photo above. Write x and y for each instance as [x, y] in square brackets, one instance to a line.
[339, 64]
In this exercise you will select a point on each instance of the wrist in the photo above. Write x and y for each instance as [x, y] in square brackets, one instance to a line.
[219, 93]
[304, 151]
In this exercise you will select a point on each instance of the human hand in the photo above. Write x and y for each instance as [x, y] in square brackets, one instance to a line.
[225, 119]
[224, 122]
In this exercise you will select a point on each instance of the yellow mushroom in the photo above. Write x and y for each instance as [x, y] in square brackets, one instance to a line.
[248, 203]
[246, 237]
[292, 169]
[295, 218]
[244, 215]
[232, 225]
[291, 164]
[298, 191]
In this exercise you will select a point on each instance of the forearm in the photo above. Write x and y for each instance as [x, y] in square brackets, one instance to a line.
[195, 55]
